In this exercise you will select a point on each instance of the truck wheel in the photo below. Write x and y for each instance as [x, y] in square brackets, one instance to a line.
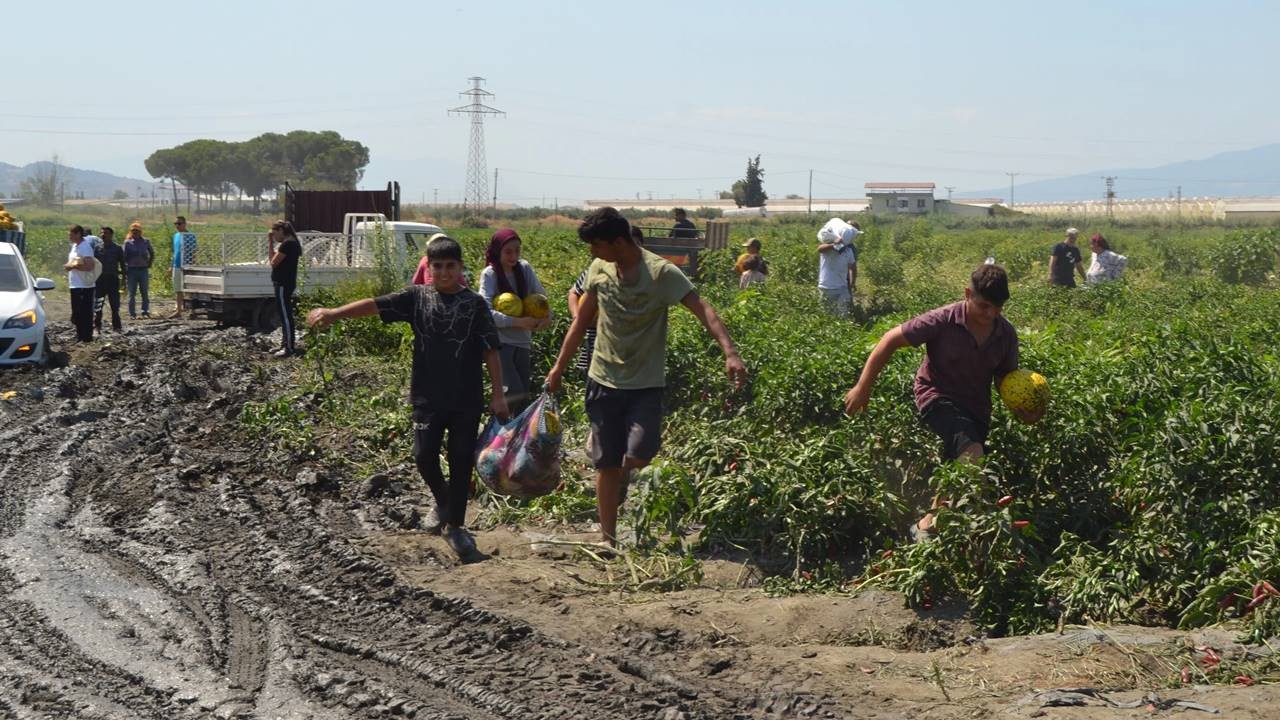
[267, 318]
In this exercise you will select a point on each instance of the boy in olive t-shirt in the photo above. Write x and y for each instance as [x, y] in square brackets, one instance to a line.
[630, 289]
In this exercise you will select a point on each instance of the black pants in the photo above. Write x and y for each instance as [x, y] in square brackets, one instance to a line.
[82, 313]
[428, 434]
[110, 292]
[284, 297]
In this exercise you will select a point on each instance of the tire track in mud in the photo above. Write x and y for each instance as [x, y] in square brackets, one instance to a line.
[159, 569]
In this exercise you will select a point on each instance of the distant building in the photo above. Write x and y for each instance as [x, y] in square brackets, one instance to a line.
[900, 198]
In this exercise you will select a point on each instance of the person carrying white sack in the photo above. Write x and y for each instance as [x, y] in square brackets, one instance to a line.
[838, 265]
[1107, 265]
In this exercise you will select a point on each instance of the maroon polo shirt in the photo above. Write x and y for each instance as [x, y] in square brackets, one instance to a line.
[955, 366]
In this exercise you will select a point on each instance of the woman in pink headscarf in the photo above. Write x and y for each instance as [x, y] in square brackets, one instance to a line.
[507, 273]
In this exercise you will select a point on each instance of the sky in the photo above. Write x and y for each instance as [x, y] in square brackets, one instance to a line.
[658, 99]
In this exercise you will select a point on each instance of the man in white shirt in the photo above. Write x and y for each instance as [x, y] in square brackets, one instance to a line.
[838, 265]
[80, 279]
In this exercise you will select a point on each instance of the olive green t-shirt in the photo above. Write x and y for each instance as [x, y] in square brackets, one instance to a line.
[631, 338]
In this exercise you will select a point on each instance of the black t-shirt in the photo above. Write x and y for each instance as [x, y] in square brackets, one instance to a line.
[684, 229]
[286, 273]
[112, 258]
[1068, 258]
[450, 334]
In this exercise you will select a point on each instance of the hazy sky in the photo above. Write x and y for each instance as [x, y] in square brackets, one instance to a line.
[609, 99]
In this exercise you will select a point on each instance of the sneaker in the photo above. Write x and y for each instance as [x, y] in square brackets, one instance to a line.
[146, 314]
[434, 521]
[461, 542]
[281, 353]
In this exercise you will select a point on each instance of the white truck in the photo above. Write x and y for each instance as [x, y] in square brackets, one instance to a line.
[229, 278]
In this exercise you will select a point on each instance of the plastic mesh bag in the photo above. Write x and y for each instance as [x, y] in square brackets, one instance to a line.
[522, 457]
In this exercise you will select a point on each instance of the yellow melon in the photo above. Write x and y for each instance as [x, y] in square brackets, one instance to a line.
[536, 306]
[509, 304]
[1024, 390]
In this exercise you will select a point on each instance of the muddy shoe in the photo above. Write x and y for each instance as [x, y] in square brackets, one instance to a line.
[461, 542]
[434, 521]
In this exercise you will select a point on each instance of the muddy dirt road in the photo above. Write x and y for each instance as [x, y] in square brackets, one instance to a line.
[155, 564]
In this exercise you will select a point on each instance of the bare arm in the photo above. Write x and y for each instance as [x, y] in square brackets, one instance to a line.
[498, 402]
[1080, 269]
[733, 364]
[574, 298]
[860, 394]
[324, 317]
[823, 247]
[1053, 261]
[584, 319]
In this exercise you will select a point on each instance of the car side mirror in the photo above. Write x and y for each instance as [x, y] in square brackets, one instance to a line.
[43, 284]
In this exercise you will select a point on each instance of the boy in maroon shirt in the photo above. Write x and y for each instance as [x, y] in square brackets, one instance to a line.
[968, 345]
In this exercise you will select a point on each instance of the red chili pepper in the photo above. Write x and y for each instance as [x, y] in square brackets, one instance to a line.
[1256, 602]
[1258, 591]
[927, 605]
[1186, 675]
[1243, 680]
[886, 554]
[1019, 524]
[1271, 589]
[1227, 601]
[1004, 501]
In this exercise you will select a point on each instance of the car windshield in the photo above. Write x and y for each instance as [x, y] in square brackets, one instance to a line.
[12, 276]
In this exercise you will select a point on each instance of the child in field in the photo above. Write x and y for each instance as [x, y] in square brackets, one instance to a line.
[751, 268]
[968, 345]
[629, 289]
[453, 332]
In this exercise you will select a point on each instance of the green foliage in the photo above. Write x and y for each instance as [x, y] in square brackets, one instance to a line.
[1246, 257]
[749, 191]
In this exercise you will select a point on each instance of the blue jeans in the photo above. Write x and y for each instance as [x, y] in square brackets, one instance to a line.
[138, 278]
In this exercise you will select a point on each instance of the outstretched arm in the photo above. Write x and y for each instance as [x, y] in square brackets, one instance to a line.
[733, 364]
[583, 320]
[859, 395]
[324, 317]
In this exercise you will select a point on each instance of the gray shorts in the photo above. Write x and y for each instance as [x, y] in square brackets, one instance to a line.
[624, 423]
[177, 279]
[838, 301]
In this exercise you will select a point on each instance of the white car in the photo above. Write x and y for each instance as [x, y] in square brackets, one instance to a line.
[22, 320]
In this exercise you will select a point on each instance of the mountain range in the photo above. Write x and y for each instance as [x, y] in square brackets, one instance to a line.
[86, 183]
[1240, 173]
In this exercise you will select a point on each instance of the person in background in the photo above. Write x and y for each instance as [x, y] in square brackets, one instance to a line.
[138, 256]
[1064, 261]
[184, 251]
[1106, 264]
[422, 276]
[107, 288]
[968, 346]
[507, 273]
[79, 267]
[751, 267]
[684, 227]
[630, 290]
[453, 335]
[838, 265]
[283, 251]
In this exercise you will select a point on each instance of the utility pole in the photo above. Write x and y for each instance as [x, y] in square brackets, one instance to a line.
[495, 188]
[435, 198]
[1011, 175]
[699, 193]
[477, 192]
[953, 187]
[1179, 203]
[1110, 181]
[810, 192]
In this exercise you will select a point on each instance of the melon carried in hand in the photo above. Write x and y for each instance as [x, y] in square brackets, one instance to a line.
[1025, 391]
[536, 306]
[509, 304]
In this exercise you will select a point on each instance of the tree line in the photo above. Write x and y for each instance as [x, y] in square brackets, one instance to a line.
[315, 160]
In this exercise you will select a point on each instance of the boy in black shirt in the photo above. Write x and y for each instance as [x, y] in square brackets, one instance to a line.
[284, 276]
[452, 332]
